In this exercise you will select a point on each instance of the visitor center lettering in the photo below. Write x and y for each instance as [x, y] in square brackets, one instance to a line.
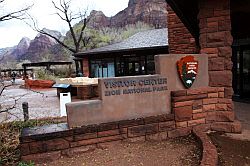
[135, 86]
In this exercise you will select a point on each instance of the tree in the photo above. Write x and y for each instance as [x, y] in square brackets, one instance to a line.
[94, 38]
[3, 86]
[64, 12]
[19, 14]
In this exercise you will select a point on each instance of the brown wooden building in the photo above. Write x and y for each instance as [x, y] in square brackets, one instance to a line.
[133, 56]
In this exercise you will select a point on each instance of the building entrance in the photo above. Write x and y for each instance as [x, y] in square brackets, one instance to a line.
[242, 71]
[130, 66]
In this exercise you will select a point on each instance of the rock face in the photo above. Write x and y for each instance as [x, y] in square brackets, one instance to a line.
[21, 48]
[5, 51]
[37, 47]
[98, 19]
[57, 34]
[153, 12]
[33, 50]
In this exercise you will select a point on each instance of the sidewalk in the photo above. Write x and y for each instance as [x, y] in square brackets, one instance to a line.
[42, 103]
[242, 112]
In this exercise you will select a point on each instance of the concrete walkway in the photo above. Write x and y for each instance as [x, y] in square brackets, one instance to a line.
[242, 111]
[42, 103]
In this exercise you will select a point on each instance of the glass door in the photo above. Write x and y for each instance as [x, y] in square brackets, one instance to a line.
[133, 68]
[132, 65]
[245, 73]
[241, 72]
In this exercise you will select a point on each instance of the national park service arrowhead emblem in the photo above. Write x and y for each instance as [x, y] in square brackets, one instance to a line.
[187, 68]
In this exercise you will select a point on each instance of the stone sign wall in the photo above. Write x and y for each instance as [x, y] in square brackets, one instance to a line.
[123, 98]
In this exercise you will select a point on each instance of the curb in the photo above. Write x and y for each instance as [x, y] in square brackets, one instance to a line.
[209, 151]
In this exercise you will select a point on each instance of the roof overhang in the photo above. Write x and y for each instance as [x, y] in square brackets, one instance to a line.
[187, 11]
[157, 49]
[36, 64]
[240, 15]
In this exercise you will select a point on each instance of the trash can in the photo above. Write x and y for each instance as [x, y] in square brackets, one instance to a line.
[64, 99]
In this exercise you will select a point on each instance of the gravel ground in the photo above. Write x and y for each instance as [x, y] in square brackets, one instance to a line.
[231, 151]
[42, 103]
[177, 152]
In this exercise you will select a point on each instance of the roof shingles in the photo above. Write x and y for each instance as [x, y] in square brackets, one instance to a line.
[145, 39]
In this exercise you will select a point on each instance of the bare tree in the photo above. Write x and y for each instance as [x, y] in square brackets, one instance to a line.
[11, 105]
[19, 14]
[65, 14]
[3, 86]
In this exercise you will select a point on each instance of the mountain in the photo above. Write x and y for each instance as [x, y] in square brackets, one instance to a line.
[37, 47]
[5, 51]
[153, 12]
[54, 33]
[21, 48]
[32, 50]
[2, 50]
[44, 48]
[97, 19]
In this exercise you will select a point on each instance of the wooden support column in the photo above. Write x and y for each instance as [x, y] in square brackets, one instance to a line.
[24, 72]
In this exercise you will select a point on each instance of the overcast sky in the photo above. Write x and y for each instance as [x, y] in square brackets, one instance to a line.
[43, 11]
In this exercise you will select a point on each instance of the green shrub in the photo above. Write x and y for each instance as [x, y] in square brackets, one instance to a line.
[43, 74]
[53, 73]
[62, 72]
[9, 139]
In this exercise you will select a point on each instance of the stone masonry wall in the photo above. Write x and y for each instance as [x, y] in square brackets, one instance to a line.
[204, 108]
[216, 40]
[179, 38]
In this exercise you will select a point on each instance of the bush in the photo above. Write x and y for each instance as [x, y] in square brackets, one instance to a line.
[62, 72]
[44, 75]
[53, 73]
[9, 140]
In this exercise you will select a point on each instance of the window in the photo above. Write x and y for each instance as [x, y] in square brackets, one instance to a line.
[150, 64]
[79, 67]
[102, 68]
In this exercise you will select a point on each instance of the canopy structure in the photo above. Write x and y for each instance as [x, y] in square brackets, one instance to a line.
[43, 64]
[188, 12]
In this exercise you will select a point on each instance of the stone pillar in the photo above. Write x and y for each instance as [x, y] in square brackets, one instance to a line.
[216, 40]
[179, 38]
